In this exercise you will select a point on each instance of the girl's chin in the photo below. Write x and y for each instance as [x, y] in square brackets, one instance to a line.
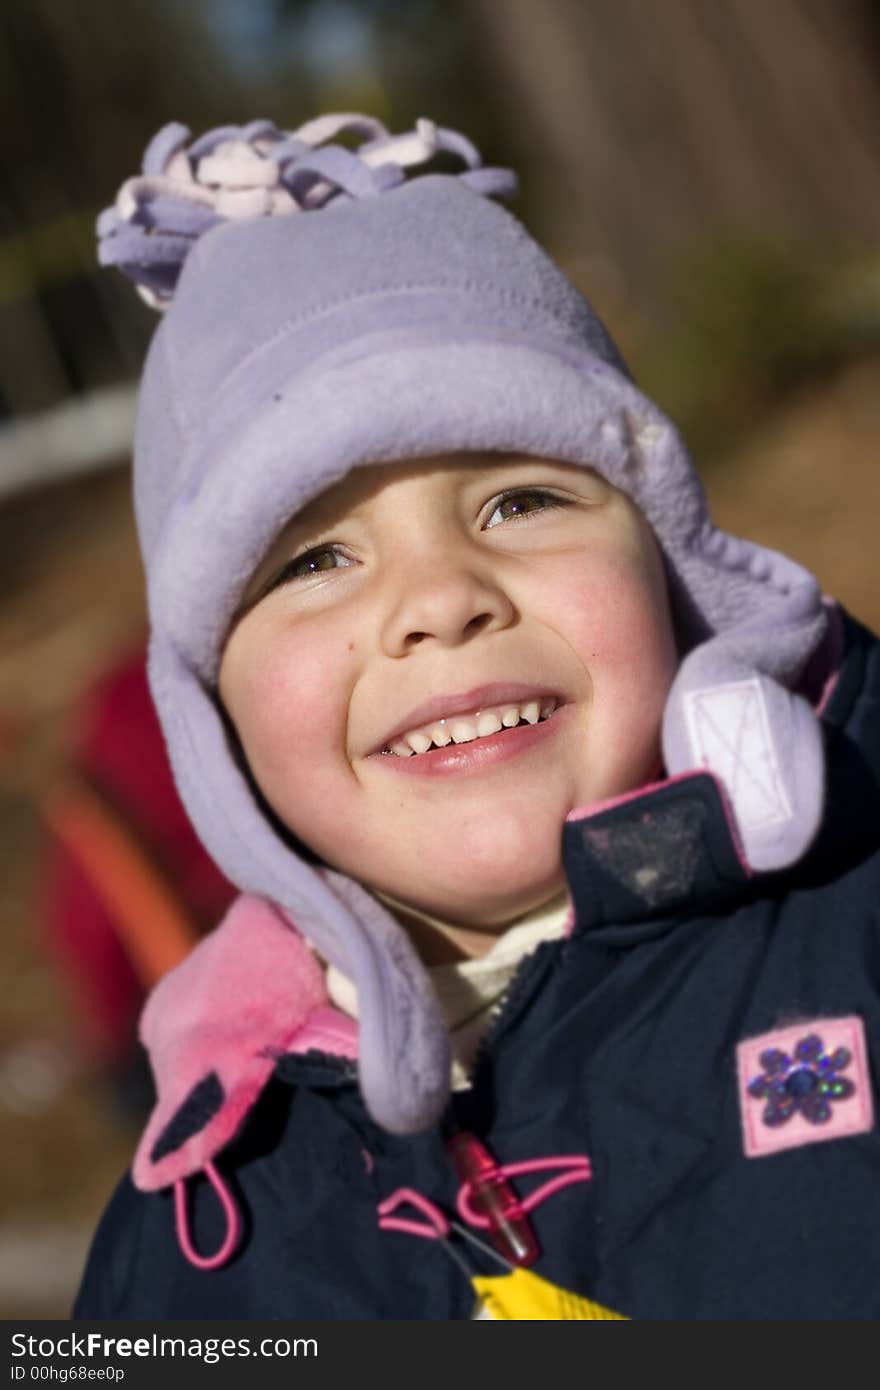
[491, 909]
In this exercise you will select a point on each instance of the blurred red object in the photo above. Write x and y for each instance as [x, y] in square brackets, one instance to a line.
[129, 888]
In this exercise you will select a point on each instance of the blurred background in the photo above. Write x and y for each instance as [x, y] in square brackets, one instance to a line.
[708, 173]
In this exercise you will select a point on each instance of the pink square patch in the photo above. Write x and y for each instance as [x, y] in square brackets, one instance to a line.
[803, 1084]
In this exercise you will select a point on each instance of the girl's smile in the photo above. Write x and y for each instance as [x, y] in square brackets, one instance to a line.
[464, 744]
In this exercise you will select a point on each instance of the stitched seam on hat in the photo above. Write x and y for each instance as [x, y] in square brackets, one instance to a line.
[464, 287]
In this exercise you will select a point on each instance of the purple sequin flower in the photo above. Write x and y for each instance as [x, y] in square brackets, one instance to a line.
[808, 1082]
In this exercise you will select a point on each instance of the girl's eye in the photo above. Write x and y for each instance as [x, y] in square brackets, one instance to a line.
[311, 562]
[522, 503]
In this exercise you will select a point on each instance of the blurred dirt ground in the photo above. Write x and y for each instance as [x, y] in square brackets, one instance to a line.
[807, 482]
[70, 598]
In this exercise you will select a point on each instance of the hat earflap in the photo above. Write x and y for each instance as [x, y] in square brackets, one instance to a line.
[403, 1057]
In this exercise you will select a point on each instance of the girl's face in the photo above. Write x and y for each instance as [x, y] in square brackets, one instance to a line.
[438, 661]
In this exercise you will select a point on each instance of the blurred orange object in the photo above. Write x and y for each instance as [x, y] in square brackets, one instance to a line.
[129, 888]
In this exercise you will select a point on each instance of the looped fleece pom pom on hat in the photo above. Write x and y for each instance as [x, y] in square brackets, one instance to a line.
[256, 170]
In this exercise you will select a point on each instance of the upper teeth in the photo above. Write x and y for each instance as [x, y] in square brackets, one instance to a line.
[464, 728]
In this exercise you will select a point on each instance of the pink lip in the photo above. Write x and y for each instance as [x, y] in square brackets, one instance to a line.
[461, 759]
[466, 702]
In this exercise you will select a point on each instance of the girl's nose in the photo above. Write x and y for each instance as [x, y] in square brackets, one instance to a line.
[448, 602]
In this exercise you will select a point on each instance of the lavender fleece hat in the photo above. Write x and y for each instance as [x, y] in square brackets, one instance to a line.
[324, 311]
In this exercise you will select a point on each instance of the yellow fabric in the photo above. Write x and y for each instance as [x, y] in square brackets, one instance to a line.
[525, 1297]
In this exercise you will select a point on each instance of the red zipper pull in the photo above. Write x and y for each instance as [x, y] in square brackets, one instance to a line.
[490, 1195]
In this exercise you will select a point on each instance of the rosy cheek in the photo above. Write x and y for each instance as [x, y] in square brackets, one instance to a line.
[288, 709]
[634, 675]
[618, 622]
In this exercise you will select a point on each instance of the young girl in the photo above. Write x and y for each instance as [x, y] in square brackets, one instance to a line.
[553, 808]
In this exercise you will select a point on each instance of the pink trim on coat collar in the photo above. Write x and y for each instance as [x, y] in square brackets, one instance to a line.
[834, 645]
[583, 813]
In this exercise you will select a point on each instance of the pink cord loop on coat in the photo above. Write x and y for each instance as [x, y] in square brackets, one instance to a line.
[230, 1211]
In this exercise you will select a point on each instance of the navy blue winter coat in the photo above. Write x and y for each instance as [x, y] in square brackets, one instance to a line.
[619, 1042]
